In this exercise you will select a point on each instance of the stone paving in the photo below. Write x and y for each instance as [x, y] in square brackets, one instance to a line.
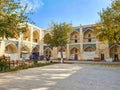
[63, 77]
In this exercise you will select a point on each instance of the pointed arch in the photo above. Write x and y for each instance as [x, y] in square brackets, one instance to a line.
[35, 36]
[25, 49]
[11, 48]
[74, 37]
[115, 52]
[89, 49]
[48, 52]
[35, 49]
[25, 53]
[74, 53]
[74, 50]
[89, 35]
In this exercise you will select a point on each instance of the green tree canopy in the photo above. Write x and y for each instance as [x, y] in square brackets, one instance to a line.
[108, 28]
[12, 18]
[60, 35]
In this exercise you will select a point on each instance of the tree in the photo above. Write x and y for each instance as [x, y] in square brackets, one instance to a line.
[108, 28]
[60, 36]
[12, 18]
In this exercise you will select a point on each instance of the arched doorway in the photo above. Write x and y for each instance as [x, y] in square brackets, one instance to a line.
[35, 54]
[115, 52]
[35, 37]
[35, 49]
[11, 50]
[48, 52]
[74, 54]
[89, 53]
[25, 53]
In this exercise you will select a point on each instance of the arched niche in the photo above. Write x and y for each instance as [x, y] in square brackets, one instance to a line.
[35, 37]
[115, 52]
[11, 48]
[74, 37]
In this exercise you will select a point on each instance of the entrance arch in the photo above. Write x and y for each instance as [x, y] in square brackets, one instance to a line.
[25, 53]
[11, 50]
[89, 53]
[115, 52]
[74, 54]
[35, 49]
[48, 52]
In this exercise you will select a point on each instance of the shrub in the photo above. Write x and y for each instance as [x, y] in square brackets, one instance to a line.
[35, 62]
[3, 65]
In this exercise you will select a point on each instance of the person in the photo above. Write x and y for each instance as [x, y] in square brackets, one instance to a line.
[51, 59]
[47, 57]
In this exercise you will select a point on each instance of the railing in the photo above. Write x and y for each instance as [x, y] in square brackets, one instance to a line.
[73, 41]
[87, 40]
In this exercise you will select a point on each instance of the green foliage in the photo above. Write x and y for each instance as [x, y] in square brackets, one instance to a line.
[60, 34]
[3, 65]
[22, 67]
[12, 14]
[35, 61]
[108, 28]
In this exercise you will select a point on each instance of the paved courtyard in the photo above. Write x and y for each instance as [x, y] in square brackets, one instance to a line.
[63, 77]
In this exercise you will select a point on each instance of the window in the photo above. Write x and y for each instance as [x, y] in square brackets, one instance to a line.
[89, 40]
[75, 40]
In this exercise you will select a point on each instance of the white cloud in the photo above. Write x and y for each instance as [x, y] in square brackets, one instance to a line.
[32, 4]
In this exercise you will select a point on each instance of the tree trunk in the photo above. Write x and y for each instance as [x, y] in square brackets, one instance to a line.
[61, 51]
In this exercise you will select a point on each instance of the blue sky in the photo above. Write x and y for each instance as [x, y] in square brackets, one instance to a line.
[78, 12]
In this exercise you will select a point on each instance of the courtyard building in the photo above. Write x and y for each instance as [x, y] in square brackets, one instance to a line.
[83, 45]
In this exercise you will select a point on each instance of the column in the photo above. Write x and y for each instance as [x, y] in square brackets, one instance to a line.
[19, 45]
[81, 43]
[67, 52]
[31, 38]
[41, 44]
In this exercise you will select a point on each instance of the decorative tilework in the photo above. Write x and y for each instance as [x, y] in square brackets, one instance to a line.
[11, 42]
[89, 45]
[74, 46]
[77, 30]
